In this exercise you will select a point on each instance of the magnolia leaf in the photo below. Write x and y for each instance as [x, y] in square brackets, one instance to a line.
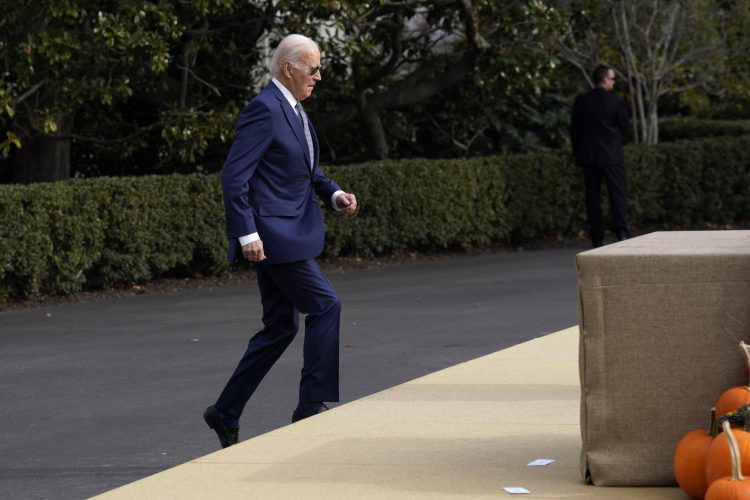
[50, 126]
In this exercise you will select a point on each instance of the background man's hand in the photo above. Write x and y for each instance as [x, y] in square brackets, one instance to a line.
[253, 251]
[347, 202]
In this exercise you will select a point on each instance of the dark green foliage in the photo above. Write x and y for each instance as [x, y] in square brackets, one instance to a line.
[673, 129]
[60, 237]
[422, 205]
[57, 237]
[544, 195]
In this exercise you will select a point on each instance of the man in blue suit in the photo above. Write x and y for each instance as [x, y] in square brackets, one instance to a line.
[270, 180]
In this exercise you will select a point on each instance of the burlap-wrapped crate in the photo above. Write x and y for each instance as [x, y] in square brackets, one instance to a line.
[661, 317]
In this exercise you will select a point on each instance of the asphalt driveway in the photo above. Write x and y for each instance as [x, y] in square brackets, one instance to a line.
[99, 394]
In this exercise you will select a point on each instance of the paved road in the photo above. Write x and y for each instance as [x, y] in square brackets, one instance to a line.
[100, 394]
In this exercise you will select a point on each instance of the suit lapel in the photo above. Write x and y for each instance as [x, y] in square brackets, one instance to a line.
[293, 121]
[316, 144]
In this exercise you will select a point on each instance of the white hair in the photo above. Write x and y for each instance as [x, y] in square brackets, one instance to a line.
[291, 49]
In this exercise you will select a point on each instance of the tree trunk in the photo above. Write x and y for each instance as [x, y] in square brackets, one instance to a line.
[42, 159]
[374, 126]
[422, 83]
[653, 122]
[633, 118]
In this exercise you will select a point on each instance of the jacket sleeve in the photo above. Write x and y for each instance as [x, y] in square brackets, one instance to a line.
[324, 187]
[253, 138]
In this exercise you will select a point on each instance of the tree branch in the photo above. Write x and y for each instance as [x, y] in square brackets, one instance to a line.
[471, 21]
[28, 93]
[396, 48]
[213, 88]
[99, 140]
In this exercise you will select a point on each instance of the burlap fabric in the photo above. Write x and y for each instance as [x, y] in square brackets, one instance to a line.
[661, 317]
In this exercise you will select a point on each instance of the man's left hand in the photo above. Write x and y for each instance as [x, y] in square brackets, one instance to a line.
[347, 203]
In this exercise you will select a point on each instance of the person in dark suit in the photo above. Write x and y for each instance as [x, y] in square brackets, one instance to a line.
[270, 181]
[598, 122]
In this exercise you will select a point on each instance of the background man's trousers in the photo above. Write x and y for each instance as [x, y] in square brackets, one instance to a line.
[614, 175]
[287, 290]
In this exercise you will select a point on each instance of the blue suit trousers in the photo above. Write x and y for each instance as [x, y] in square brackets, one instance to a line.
[286, 290]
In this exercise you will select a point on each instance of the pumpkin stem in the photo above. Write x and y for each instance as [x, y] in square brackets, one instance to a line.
[713, 429]
[734, 451]
[746, 351]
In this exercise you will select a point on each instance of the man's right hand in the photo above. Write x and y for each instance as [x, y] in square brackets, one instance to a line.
[253, 251]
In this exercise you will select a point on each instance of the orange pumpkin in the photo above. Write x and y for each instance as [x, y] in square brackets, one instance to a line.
[735, 487]
[719, 461]
[736, 397]
[690, 459]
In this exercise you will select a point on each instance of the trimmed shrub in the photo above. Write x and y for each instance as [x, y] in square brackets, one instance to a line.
[60, 237]
[420, 205]
[674, 129]
[56, 237]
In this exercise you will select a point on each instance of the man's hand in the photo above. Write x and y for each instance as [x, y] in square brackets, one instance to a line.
[253, 251]
[347, 202]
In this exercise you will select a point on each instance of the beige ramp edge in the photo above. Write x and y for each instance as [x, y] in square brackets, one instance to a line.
[466, 431]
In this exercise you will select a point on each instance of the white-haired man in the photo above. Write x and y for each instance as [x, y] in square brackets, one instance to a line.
[270, 181]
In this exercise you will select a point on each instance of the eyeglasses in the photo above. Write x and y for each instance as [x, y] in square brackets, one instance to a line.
[311, 70]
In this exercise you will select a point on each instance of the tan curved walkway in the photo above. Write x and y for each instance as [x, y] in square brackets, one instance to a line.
[466, 431]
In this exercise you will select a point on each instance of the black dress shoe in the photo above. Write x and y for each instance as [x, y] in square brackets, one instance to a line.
[227, 435]
[298, 414]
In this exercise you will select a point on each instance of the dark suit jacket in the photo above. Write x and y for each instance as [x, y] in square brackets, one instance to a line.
[268, 185]
[599, 120]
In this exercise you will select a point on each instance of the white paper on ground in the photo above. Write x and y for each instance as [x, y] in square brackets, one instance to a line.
[516, 490]
[541, 461]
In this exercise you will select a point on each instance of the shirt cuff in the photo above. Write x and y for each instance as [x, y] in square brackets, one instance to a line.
[244, 240]
[333, 200]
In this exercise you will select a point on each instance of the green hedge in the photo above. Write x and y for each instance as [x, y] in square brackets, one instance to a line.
[56, 237]
[60, 237]
[673, 129]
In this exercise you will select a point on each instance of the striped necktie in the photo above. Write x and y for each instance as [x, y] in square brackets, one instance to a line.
[303, 120]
